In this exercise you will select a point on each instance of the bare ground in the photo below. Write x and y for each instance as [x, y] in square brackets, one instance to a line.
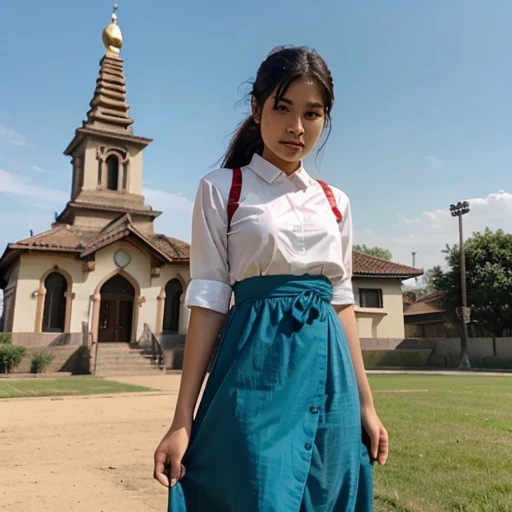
[91, 454]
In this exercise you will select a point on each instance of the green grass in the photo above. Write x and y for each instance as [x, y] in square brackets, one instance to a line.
[451, 443]
[73, 386]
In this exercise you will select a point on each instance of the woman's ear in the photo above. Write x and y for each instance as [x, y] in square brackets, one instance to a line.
[255, 111]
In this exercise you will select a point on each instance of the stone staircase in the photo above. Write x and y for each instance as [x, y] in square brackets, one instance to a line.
[122, 359]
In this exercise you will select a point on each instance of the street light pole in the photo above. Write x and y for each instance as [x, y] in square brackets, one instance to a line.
[458, 210]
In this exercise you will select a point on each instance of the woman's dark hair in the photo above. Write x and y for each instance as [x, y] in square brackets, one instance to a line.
[283, 66]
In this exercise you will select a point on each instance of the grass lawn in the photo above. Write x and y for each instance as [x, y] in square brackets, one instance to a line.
[451, 443]
[10, 388]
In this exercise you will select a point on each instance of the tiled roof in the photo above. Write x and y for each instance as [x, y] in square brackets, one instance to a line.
[61, 237]
[64, 238]
[371, 266]
[176, 249]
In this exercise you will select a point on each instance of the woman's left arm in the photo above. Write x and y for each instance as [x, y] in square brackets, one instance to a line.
[343, 303]
[347, 316]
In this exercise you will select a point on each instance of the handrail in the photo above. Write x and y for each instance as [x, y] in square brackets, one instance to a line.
[150, 342]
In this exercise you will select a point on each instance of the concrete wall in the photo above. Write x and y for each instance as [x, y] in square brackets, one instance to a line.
[65, 359]
[445, 352]
[46, 339]
[386, 322]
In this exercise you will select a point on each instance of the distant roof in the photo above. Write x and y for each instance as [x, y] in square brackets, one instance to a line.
[365, 265]
[431, 303]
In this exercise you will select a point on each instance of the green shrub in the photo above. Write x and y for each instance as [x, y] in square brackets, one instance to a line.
[40, 362]
[5, 338]
[395, 358]
[10, 357]
[491, 363]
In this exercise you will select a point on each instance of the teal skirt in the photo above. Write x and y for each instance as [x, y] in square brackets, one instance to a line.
[278, 428]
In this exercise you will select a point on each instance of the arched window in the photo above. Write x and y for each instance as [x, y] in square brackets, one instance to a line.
[112, 172]
[173, 291]
[54, 303]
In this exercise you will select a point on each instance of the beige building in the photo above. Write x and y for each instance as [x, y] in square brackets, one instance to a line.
[101, 274]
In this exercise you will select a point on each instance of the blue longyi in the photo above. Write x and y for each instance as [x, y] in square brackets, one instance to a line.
[279, 426]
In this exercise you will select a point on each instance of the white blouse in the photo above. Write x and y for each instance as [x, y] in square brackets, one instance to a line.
[284, 225]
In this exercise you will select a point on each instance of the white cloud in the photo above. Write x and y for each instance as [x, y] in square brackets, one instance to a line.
[11, 136]
[435, 163]
[21, 186]
[37, 168]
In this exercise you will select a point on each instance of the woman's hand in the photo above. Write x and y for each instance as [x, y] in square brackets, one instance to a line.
[169, 454]
[378, 434]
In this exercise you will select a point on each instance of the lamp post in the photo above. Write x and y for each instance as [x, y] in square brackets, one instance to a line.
[458, 210]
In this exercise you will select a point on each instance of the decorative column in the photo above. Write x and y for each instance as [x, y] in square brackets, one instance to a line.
[40, 295]
[160, 305]
[96, 299]
[67, 318]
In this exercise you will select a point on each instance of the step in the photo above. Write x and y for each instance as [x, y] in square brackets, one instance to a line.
[118, 373]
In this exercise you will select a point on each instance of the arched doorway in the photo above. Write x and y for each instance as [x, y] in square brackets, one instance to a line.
[116, 310]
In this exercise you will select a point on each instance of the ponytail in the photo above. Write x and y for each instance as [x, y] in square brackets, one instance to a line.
[246, 141]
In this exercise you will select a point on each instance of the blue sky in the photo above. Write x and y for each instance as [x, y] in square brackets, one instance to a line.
[422, 116]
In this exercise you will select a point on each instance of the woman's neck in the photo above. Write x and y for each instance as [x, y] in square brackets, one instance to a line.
[286, 167]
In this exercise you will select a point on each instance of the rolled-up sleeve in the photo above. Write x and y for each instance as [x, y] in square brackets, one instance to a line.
[343, 292]
[210, 284]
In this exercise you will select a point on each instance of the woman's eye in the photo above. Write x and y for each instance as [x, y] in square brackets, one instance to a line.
[281, 108]
[313, 114]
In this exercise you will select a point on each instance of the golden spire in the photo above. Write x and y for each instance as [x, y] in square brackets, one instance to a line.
[112, 36]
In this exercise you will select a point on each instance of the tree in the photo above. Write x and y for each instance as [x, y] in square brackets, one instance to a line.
[489, 280]
[379, 252]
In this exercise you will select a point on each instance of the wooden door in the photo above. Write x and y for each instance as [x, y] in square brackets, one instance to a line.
[115, 320]
[124, 316]
[108, 321]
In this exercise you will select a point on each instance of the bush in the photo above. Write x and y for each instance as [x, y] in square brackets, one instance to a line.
[10, 357]
[396, 358]
[40, 362]
[491, 363]
[5, 338]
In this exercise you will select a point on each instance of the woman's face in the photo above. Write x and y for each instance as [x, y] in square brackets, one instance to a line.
[291, 129]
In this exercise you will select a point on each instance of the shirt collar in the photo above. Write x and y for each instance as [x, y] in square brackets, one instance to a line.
[270, 173]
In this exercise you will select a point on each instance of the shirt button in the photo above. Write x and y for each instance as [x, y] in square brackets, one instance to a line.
[314, 410]
[308, 447]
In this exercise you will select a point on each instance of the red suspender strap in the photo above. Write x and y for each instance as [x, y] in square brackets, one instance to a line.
[234, 195]
[236, 190]
[331, 199]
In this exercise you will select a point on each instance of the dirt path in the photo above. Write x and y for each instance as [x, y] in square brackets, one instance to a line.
[89, 454]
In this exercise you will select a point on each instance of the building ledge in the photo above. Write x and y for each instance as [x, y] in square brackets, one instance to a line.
[371, 311]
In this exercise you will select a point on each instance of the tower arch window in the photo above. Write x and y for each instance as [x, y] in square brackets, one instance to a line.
[54, 314]
[112, 162]
[173, 293]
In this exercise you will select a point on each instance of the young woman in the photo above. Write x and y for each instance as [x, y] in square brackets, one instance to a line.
[287, 421]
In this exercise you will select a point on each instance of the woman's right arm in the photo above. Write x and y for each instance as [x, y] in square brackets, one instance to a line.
[208, 296]
[203, 331]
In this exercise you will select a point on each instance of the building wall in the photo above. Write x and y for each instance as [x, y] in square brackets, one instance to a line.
[85, 284]
[385, 322]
